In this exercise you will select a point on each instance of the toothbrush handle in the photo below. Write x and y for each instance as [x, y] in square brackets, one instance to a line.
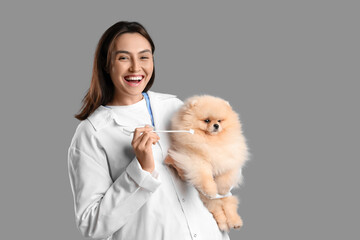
[170, 131]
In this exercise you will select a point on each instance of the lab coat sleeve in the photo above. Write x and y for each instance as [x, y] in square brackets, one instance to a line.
[101, 205]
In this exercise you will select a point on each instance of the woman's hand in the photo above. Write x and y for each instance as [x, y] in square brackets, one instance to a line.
[142, 141]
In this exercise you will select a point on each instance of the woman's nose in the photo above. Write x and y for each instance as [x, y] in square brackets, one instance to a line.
[135, 66]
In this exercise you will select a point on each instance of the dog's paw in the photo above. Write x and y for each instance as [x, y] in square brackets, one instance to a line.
[223, 227]
[169, 160]
[234, 221]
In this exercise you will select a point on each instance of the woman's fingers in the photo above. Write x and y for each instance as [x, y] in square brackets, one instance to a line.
[142, 136]
[141, 143]
[150, 142]
[139, 131]
[143, 139]
[147, 139]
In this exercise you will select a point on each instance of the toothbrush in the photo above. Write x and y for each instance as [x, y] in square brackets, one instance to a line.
[175, 131]
[128, 132]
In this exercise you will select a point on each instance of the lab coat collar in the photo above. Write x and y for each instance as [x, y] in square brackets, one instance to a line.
[103, 116]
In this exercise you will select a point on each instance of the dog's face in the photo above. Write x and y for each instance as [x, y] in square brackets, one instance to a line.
[209, 114]
[211, 125]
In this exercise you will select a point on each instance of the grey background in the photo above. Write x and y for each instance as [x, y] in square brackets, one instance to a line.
[290, 68]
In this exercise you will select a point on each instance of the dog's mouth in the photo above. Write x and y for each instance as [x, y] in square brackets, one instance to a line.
[213, 131]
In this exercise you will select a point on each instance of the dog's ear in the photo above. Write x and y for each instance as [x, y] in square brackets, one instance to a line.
[228, 103]
[192, 102]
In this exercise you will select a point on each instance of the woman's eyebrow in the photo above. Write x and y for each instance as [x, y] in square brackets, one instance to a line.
[127, 52]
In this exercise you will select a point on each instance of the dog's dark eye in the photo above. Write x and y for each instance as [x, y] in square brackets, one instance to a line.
[207, 120]
[219, 120]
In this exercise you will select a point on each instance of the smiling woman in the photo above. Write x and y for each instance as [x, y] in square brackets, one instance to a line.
[122, 189]
[111, 56]
[131, 68]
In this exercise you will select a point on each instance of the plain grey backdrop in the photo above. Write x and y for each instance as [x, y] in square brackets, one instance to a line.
[289, 68]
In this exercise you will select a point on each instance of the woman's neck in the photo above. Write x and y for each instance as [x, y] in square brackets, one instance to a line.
[125, 100]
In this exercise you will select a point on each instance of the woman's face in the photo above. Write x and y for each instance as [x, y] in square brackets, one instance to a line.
[131, 67]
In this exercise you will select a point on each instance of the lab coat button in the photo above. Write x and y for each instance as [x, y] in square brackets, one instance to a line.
[183, 199]
[195, 235]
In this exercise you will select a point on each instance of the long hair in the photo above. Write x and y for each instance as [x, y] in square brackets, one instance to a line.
[102, 89]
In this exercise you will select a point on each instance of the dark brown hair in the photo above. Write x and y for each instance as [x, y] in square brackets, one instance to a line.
[102, 89]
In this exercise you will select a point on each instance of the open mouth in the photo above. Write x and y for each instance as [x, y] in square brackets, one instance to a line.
[133, 80]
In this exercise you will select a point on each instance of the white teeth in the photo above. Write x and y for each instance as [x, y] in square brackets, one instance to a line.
[133, 78]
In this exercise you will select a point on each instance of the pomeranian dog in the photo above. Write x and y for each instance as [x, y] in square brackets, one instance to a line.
[211, 159]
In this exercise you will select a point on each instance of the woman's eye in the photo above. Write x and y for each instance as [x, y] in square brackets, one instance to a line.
[144, 57]
[122, 58]
[207, 120]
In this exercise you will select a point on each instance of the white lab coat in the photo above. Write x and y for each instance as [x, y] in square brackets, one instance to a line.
[115, 199]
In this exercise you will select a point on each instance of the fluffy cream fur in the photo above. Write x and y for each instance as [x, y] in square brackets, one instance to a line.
[212, 157]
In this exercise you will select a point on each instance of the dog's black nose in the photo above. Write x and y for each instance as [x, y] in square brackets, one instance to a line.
[216, 126]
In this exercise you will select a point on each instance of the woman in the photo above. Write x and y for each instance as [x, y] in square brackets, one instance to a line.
[121, 187]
